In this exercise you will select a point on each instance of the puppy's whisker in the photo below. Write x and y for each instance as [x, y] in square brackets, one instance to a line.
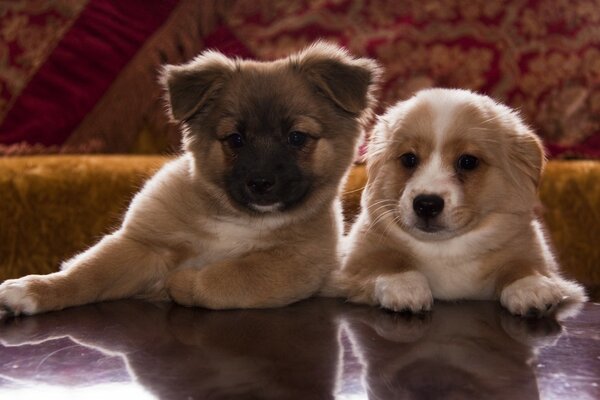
[360, 189]
[391, 223]
[386, 201]
[379, 219]
[383, 200]
[375, 221]
[383, 207]
[375, 211]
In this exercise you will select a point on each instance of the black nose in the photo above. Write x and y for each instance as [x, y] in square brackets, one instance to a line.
[260, 185]
[428, 205]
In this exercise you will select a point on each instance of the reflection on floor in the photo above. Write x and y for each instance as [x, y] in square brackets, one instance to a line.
[320, 348]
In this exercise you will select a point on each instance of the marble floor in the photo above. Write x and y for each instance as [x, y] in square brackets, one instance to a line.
[316, 349]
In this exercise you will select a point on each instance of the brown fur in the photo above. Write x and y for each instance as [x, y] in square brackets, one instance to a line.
[486, 238]
[184, 235]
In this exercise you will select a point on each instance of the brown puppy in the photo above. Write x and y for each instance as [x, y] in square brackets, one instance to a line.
[448, 211]
[249, 215]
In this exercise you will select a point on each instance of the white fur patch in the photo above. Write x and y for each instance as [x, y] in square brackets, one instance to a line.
[14, 296]
[444, 109]
[230, 238]
[267, 209]
[533, 292]
[407, 290]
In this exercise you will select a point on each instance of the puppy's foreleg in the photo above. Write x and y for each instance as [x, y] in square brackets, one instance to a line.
[383, 277]
[258, 280]
[116, 267]
[537, 294]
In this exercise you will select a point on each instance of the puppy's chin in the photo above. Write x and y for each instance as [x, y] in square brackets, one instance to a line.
[430, 227]
[432, 231]
[265, 209]
[275, 207]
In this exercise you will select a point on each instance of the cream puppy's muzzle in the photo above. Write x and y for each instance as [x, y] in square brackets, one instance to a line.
[432, 204]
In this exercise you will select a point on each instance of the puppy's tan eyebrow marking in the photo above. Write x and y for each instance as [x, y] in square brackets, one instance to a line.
[307, 124]
[467, 120]
[413, 133]
[417, 125]
[226, 126]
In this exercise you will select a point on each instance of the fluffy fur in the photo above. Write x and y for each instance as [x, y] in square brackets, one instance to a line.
[474, 236]
[249, 215]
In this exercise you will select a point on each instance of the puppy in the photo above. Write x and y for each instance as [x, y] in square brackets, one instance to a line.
[249, 215]
[448, 211]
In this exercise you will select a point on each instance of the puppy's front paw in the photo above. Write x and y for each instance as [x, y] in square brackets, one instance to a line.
[16, 297]
[180, 286]
[407, 291]
[531, 296]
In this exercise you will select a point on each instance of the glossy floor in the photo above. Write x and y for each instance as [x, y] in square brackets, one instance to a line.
[317, 349]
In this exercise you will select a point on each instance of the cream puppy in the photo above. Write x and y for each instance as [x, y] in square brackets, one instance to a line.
[448, 211]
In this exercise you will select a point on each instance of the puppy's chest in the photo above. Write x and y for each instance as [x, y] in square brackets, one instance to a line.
[223, 241]
[456, 276]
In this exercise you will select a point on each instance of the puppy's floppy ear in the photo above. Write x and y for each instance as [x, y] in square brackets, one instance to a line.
[348, 82]
[527, 154]
[377, 146]
[190, 87]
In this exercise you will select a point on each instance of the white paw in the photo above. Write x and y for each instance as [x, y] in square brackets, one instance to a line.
[533, 295]
[405, 291]
[15, 297]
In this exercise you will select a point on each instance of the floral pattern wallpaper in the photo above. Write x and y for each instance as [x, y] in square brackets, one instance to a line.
[29, 31]
[539, 56]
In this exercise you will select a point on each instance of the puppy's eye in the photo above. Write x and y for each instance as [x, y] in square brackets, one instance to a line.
[297, 139]
[467, 162]
[235, 140]
[409, 160]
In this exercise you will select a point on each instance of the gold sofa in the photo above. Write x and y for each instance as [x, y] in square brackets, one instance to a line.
[52, 207]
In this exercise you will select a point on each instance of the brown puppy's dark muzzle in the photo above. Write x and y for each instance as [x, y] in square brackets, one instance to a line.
[260, 185]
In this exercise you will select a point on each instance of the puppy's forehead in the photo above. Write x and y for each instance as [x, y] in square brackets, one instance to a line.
[441, 120]
[418, 122]
[273, 89]
[263, 99]
[411, 129]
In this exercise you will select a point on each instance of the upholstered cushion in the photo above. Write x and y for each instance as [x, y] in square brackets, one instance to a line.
[55, 206]
[570, 194]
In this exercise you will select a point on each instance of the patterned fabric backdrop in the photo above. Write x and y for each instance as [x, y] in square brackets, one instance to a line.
[81, 75]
